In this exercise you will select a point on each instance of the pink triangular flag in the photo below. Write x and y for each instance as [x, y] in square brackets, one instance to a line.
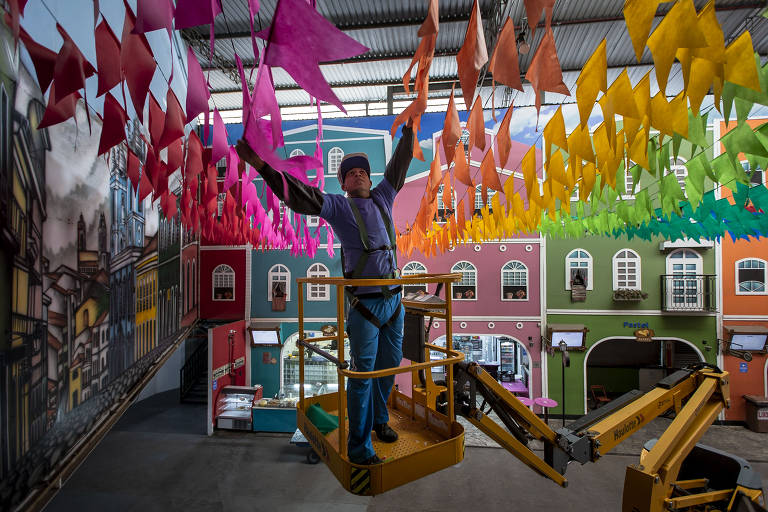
[219, 146]
[153, 15]
[197, 88]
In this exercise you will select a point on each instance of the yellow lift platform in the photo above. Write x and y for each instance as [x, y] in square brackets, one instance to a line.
[428, 440]
[674, 473]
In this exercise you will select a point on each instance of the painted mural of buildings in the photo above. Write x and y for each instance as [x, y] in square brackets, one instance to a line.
[24, 350]
[146, 300]
[127, 229]
[190, 287]
[169, 272]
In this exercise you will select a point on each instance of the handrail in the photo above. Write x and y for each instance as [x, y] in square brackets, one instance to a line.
[339, 364]
[416, 278]
[340, 283]
[194, 366]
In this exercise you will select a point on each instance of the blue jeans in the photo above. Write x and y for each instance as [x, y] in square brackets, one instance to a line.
[371, 349]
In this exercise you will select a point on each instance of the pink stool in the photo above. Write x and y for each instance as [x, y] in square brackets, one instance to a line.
[545, 404]
[526, 401]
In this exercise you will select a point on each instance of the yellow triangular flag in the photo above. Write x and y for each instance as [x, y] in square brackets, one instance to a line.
[592, 79]
[678, 29]
[638, 15]
[580, 145]
[740, 67]
[554, 132]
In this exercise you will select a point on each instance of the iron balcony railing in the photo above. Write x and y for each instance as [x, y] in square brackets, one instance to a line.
[688, 292]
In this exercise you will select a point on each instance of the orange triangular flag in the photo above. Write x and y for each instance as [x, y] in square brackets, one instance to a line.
[435, 172]
[431, 23]
[447, 196]
[461, 168]
[488, 172]
[472, 56]
[476, 126]
[544, 72]
[533, 10]
[504, 65]
[503, 142]
[451, 130]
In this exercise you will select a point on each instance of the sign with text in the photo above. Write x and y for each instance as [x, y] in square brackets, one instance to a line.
[644, 335]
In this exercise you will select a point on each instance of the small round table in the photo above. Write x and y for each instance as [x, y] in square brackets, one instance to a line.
[526, 401]
[545, 403]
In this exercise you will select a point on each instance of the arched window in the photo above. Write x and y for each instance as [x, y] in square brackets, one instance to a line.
[318, 292]
[334, 159]
[442, 211]
[514, 281]
[479, 198]
[626, 270]
[684, 281]
[194, 283]
[678, 168]
[578, 268]
[186, 288]
[410, 269]
[750, 276]
[466, 289]
[296, 152]
[279, 279]
[223, 283]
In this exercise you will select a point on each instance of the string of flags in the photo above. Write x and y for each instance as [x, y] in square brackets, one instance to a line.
[576, 187]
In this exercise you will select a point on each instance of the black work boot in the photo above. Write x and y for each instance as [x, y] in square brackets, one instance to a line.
[385, 433]
[373, 459]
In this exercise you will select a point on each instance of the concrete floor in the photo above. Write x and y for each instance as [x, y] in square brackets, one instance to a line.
[158, 458]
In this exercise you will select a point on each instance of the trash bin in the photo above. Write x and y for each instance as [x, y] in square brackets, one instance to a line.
[757, 413]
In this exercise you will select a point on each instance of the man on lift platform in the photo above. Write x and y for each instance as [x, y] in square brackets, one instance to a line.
[363, 223]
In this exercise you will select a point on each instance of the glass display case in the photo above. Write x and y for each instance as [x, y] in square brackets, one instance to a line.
[482, 349]
[320, 375]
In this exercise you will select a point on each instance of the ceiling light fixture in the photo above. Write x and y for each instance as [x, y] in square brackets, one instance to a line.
[522, 46]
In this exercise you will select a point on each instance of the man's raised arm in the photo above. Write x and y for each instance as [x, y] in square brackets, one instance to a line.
[301, 198]
[397, 168]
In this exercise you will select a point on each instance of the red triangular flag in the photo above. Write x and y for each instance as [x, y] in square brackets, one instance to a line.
[174, 121]
[175, 155]
[133, 169]
[194, 163]
[488, 172]
[137, 64]
[71, 68]
[156, 120]
[113, 128]
[107, 58]
[56, 113]
[44, 60]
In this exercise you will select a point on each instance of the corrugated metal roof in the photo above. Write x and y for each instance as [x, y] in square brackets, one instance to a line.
[389, 28]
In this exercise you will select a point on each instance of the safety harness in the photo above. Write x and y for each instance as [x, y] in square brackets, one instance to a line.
[357, 272]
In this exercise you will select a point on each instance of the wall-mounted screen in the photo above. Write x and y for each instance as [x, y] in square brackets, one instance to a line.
[572, 339]
[265, 337]
[753, 342]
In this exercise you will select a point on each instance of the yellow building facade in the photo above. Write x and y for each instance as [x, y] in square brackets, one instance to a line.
[146, 300]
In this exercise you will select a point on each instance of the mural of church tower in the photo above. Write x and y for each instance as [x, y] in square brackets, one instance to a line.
[126, 249]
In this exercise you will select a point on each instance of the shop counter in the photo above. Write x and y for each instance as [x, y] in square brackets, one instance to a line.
[274, 415]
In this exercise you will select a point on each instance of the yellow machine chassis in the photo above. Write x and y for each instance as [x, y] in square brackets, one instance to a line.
[428, 440]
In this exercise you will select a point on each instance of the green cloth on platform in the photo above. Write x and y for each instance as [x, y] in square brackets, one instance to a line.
[322, 420]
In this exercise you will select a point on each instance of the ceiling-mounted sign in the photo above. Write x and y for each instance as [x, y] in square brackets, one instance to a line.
[644, 335]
